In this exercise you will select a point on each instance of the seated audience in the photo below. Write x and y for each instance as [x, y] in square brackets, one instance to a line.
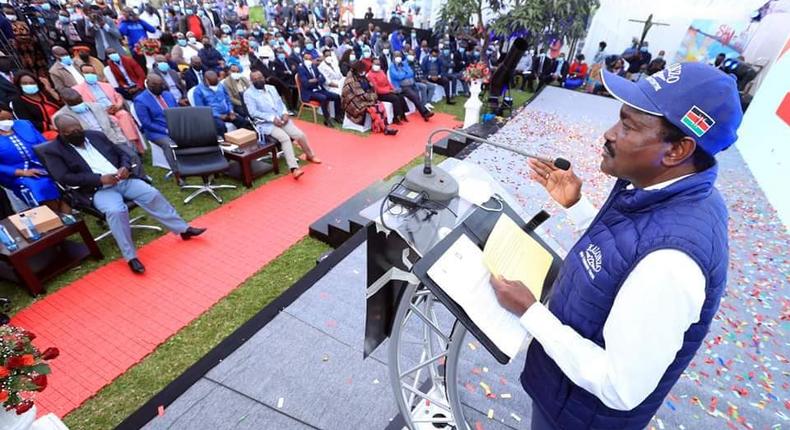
[63, 74]
[211, 58]
[210, 93]
[20, 169]
[124, 74]
[150, 107]
[432, 67]
[578, 69]
[82, 55]
[426, 88]
[271, 118]
[175, 85]
[235, 86]
[183, 51]
[346, 60]
[457, 67]
[312, 88]
[92, 116]
[34, 103]
[402, 78]
[542, 67]
[359, 100]
[273, 71]
[560, 70]
[193, 76]
[105, 95]
[386, 92]
[330, 68]
[102, 173]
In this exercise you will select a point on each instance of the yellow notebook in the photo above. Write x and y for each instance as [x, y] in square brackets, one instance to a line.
[512, 254]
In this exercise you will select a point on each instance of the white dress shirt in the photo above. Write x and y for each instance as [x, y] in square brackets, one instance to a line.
[659, 300]
[74, 73]
[96, 161]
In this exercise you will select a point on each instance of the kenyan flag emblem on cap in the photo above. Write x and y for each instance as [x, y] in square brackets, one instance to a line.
[698, 121]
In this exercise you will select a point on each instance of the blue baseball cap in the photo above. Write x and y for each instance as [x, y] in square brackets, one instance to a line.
[699, 99]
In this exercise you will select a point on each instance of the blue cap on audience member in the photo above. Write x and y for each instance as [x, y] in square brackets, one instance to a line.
[699, 99]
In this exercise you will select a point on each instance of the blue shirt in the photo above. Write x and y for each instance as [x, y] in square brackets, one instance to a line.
[218, 101]
[135, 30]
[99, 95]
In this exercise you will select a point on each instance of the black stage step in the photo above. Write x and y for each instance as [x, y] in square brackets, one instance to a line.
[460, 147]
[342, 222]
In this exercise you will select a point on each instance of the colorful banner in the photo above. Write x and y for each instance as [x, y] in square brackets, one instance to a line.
[707, 38]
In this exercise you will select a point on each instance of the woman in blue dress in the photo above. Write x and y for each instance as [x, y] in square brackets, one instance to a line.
[20, 169]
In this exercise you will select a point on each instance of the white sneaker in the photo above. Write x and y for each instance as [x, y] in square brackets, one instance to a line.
[429, 106]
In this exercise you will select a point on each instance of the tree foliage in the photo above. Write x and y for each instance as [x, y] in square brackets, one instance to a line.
[543, 19]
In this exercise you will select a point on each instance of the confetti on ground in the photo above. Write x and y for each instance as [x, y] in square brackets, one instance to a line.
[472, 346]
[280, 403]
[160, 410]
[490, 414]
[375, 381]
[506, 395]
[515, 417]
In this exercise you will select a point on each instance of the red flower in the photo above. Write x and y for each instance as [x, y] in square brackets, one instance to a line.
[23, 407]
[41, 381]
[50, 354]
[30, 335]
[3, 396]
[4, 372]
[14, 362]
[28, 360]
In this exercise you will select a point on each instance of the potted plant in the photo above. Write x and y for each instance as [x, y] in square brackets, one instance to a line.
[23, 372]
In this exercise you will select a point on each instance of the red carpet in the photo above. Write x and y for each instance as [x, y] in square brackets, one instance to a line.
[111, 319]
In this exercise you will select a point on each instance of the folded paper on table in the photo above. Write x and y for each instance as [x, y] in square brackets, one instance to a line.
[512, 254]
[461, 274]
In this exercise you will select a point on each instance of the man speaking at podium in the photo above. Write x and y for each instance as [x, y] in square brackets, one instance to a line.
[636, 294]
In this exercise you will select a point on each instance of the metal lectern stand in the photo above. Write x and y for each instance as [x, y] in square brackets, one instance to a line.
[425, 335]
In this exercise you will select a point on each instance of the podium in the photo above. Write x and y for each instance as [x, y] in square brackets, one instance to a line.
[426, 329]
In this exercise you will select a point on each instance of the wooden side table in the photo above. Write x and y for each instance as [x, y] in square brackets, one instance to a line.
[246, 166]
[35, 262]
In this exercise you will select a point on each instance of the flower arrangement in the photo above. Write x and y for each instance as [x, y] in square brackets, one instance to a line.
[477, 71]
[149, 47]
[239, 47]
[23, 369]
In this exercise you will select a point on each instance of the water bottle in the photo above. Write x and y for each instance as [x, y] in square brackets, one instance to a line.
[29, 198]
[32, 231]
[7, 240]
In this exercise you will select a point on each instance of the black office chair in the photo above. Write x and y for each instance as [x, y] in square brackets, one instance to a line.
[196, 150]
[84, 204]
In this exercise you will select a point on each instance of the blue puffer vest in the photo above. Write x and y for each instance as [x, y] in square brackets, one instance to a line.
[690, 216]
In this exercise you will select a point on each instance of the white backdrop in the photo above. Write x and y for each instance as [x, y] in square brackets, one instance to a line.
[764, 138]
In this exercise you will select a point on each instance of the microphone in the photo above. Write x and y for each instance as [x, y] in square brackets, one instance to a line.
[439, 185]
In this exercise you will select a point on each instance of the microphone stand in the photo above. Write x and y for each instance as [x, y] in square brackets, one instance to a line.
[438, 185]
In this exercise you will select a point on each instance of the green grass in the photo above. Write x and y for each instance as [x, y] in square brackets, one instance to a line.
[116, 401]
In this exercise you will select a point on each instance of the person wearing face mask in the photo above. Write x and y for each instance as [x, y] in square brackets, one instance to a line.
[181, 53]
[223, 46]
[432, 67]
[360, 101]
[457, 67]
[313, 88]
[235, 86]
[271, 118]
[426, 88]
[193, 76]
[309, 48]
[7, 89]
[63, 74]
[542, 67]
[396, 40]
[101, 174]
[402, 77]
[386, 92]
[104, 31]
[150, 108]
[211, 58]
[82, 56]
[92, 116]
[560, 71]
[346, 61]
[151, 16]
[210, 93]
[175, 85]
[35, 103]
[230, 16]
[21, 171]
[331, 71]
[190, 22]
[124, 74]
[205, 19]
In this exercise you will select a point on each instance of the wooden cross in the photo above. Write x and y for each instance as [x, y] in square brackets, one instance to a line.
[648, 24]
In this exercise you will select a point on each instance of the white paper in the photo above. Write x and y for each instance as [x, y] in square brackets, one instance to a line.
[461, 274]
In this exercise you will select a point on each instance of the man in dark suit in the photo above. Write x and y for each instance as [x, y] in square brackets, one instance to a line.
[102, 173]
[312, 86]
[193, 76]
[559, 69]
[175, 85]
[272, 70]
[542, 67]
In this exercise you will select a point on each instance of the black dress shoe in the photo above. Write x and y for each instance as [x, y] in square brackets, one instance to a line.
[329, 123]
[136, 266]
[397, 121]
[427, 115]
[192, 232]
[404, 119]
[390, 132]
[450, 102]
